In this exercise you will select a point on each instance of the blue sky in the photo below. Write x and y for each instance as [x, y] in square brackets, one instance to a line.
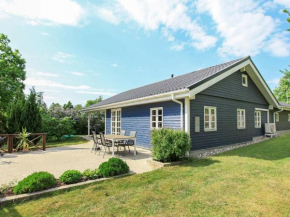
[78, 50]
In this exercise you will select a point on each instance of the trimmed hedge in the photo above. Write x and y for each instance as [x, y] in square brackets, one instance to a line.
[92, 174]
[169, 145]
[71, 176]
[113, 167]
[35, 182]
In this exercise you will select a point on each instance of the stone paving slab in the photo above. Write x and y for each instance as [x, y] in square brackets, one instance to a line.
[59, 159]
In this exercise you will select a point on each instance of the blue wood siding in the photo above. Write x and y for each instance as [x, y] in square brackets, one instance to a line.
[227, 96]
[137, 118]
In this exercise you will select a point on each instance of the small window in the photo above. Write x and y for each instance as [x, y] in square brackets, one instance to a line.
[241, 115]
[156, 117]
[257, 119]
[289, 117]
[277, 117]
[245, 80]
[210, 118]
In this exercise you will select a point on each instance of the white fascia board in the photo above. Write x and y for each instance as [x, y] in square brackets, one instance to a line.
[285, 108]
[180, 94]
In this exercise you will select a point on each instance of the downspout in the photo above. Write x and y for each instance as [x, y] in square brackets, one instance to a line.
[181, 110]
[274, 118]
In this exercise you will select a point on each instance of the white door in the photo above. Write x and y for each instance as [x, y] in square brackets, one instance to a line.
[116, 121]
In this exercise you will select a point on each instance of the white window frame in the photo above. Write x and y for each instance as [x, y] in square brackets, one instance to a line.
[156, 120]
[239, 118]
[258, 119]
[210, 128]
[246, 80]
[277, 118]
[117, 129]
[288, 117]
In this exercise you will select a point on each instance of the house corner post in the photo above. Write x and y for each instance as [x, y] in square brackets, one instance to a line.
[187, 115]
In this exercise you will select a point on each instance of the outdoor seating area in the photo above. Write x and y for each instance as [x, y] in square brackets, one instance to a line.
[104, 142]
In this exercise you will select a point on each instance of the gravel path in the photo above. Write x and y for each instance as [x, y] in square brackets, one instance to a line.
[59, 159]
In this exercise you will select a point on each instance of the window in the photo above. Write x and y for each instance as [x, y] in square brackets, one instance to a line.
[241, 115]
[156, 117]
[288, 117]
[210, 118]
[244, 80]
[116, 121]
[277, 117]
[257, 119]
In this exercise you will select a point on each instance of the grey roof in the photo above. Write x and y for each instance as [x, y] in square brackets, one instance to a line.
[172, 84]
[284, 104]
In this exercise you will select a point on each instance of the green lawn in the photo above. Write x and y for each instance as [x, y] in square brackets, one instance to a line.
[250, 181]
[70, 141]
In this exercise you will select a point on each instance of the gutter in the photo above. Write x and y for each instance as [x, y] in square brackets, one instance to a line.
[181, 109]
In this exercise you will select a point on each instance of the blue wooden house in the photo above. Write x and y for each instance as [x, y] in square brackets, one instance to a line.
[218, 106]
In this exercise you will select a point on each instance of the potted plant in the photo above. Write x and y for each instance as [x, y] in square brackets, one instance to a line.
[24, 142]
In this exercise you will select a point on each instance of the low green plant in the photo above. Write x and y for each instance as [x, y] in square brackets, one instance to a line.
[24, 141]
[4, 188]
[169, 145]
[92, 174]
[35, 182]
[113, 167]
[71, 176]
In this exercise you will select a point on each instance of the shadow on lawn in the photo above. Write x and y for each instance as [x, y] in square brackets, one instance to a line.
[195, 162]
[273, 149]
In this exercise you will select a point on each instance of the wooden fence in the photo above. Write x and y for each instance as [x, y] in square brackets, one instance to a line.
[10, 140]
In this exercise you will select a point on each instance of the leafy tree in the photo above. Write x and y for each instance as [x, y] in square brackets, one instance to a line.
[54, 105]
[92, 102]
[14, 114]
[12, 72]
[288, 19]
[282, 92]
[78, 107]
[68, 105]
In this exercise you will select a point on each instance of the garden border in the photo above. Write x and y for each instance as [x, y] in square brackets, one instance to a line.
[35, 195]
[168, 164]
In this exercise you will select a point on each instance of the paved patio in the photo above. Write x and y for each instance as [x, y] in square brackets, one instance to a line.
[57, 160]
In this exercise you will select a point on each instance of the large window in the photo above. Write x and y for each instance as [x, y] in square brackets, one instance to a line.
[277, 117]
[116, 121]
[210, 118]
[241, 115]
[156, 118]
[257, 119]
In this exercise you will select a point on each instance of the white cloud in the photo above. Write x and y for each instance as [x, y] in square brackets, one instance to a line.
[47, 83]
[107, 15]
[44, 33]
[78, 73]
[47, 74]
[115, 65]
[171, 16]
[96, 93]
[285, 3]
[244, 26]
[61, 57]
[274, 82]
[177, 47]
[278, 45]
[44, 12]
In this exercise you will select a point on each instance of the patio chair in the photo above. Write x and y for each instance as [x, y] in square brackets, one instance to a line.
[96, 142]
[131, 142]
[105, 143]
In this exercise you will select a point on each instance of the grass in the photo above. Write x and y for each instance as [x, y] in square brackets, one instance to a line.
[250, 181]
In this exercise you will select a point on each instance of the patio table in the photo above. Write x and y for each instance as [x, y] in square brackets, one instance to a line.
[114, 138]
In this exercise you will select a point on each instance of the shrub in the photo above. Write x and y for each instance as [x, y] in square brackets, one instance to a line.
[169, 145]
[71, 176]
[113, 167]
[35, 182]
[92, 174]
